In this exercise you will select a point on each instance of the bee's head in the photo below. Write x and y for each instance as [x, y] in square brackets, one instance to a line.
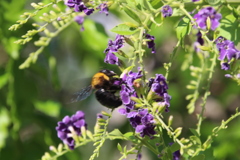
[108, 72]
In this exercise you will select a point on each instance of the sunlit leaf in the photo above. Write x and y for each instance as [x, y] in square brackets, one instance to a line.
[125, 29]
[50, 108]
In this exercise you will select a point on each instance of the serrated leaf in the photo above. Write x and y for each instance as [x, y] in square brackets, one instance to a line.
[125, 29]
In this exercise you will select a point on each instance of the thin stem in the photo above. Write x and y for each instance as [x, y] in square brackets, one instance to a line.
[148, 146]
[169, 130]
[207, 93]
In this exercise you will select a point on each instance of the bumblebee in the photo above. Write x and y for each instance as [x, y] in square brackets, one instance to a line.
[103, 83]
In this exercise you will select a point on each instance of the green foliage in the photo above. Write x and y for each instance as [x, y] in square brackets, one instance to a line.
[52, 53]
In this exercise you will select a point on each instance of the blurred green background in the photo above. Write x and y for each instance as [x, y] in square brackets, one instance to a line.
[33, 100]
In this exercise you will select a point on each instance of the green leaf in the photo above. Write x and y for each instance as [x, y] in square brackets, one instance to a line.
[130, 136]
[230, 29]
[131, 13]
[50, 108]
[5, 122]
[213, 2]
[198, 157]
[195, 140]
[183, 28]
[116, 132]
[119, 147]
[4, 79]
[125, 29]
[147, 5]
[194, 132]
[174, 147]
[205, 48]
[94, 36]
[11, 47]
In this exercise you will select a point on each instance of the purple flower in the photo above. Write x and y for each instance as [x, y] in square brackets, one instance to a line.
[226, 49]
[79, 6]
[72, 3]
[99, 116]
[139, 156]
[195, 0]
[199, 42]
[176, 154]
[150, 43]
[227, 52]
[208, 12]
[103, 8]
[111, 58]
[113, 46]
[199, 38]
[159, 87]
[166, 11]
[68, 125]
[225, 66]
[219, 42]
[238, 76]
[79, 20]
[228, 76]
[128, 90]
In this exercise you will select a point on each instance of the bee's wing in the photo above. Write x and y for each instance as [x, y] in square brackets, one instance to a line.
[82, 94]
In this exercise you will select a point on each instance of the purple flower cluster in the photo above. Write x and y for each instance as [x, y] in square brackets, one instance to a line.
[128, 90]
[142, 122]
[166, 11]
[208, 12]
[113, 46]
[79, 6]
[159, 87]
[140, 119]
[227, 51]
[103, 7]
[70, 125]
[150, 42]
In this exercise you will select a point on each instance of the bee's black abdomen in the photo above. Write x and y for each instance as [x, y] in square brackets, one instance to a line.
[108, 99]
